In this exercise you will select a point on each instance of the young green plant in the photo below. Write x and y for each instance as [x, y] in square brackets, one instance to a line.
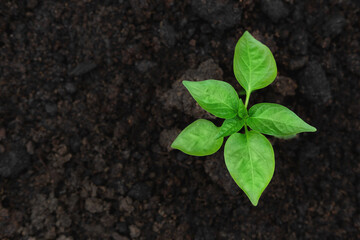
[249, 156]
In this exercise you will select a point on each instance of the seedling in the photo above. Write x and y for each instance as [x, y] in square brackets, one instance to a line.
[249, 156]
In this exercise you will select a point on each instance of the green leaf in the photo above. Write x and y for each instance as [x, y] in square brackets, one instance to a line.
[274, 119]
[198, 139]
[230, 126]
[242, 112]
[250, 160]
[254, 64]
[217, 97]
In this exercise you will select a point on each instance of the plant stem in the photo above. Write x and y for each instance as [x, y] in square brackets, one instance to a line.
[247, 100]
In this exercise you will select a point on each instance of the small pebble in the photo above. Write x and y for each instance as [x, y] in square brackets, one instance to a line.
[134, 231]
[51, 108]
[314, 84]
[70, 87]
[140, 191]
[274, 9]
[12, 163]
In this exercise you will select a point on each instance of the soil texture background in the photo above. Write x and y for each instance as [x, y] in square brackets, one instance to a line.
[91, 99]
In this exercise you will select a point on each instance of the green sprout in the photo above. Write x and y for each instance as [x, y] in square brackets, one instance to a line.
[249, 156]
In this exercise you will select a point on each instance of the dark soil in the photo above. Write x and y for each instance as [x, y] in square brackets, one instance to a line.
[90, 101]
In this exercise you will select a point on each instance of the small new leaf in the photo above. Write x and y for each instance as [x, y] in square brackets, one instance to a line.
[276, 120]
[242, 110]
[254, 64]
[217, 97]
[230, 126]
[198, 139]
[250, 160]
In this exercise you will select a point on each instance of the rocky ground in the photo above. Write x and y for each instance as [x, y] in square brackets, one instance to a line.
[90, 100]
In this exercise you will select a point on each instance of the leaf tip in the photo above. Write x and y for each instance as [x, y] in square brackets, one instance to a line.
[176, 144]
[185, 82]
[310, 128]
[246, 33]
[253, 196]
[173, 145]
[254, 199]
